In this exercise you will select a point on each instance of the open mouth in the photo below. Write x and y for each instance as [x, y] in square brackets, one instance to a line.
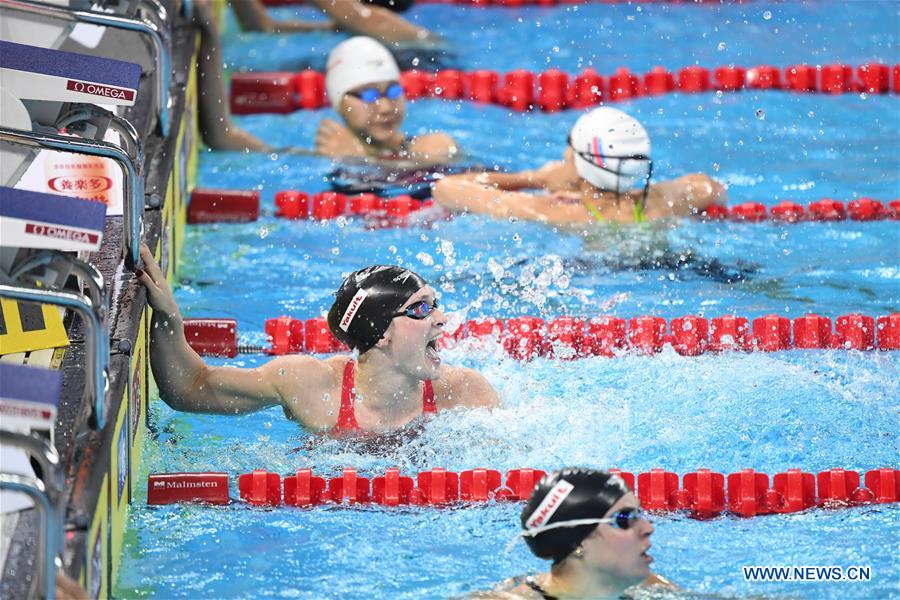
[431, 351]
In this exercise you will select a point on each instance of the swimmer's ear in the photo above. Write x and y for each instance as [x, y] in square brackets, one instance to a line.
[384, 341]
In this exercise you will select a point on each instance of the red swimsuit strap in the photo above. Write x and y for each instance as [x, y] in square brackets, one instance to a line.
[347, 418]
[428, 405]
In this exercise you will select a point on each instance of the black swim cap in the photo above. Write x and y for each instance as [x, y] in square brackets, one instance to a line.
[367, 302]
[394, 5]
[567, 495]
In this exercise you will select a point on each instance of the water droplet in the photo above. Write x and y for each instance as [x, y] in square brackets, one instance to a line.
[767, 15]
[335, 250]
[760, 114]
[721, 46]
[514, 219]
[263, 233]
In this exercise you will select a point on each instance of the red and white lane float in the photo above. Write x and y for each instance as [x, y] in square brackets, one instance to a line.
[569, 338]
[554, 90]
[701, 494]
[229, 206]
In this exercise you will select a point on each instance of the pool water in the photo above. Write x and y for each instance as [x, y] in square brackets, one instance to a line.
[809, 409]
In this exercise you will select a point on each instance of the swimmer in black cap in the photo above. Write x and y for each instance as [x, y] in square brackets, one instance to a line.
[592, 528]
[388, 314]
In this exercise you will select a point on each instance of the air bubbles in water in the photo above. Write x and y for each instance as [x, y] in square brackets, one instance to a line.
[514, 219]
[335, 250]
[425, 258]
[392, 249]
[263, 233]
[722, 46]
[767, 15]
[760, 114]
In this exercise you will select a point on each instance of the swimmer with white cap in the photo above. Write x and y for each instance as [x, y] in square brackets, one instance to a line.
[388, 314]
[591, 526]
[362, 81]
[604, 177]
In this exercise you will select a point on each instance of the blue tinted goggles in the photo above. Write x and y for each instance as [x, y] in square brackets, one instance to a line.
[370, 95]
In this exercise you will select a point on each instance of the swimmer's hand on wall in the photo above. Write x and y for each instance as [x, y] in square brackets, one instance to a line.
[159, 296]
[333, 139]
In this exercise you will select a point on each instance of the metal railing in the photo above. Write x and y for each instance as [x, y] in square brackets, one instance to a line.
[157, 37]
[133, 177]
[84, 112]
[96, 338]
[48, 495]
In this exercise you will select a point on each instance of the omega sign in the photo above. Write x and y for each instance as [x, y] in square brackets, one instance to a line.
[61, 233]
[100, 90]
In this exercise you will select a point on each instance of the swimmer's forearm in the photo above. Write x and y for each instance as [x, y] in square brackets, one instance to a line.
[187, 383]
[501, 181]
[373, 21]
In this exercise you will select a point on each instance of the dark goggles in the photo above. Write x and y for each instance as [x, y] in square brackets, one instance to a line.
[626, 518]
[370, 95]
[418, 310]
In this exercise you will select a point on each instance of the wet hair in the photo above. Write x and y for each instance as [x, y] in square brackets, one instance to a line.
[367, 302]
[566, 495]
[394, 5]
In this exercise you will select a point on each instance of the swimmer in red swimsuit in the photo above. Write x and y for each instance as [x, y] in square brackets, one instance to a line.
[386, 313]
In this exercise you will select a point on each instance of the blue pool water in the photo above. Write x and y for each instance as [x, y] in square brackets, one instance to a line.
[814, 409]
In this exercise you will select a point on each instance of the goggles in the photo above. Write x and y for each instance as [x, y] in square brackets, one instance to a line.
[597, 160]
[624, 519]
[371, 95]
[418, 310]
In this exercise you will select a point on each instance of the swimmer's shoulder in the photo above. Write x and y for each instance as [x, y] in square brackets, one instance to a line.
[311, 389]
[434, 146]
[458, 386]
[511, 589]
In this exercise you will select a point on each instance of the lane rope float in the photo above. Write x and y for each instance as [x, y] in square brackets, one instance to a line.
[700, 494]
[569, 338]
[242, 206]
[554, 90]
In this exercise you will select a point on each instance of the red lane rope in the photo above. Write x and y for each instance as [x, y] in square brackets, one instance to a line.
[555, 90]
[702, 493]
[570, 338]
[215, 206]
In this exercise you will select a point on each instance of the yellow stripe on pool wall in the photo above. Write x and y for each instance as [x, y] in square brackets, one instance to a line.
[138, 402]
[97, 552]
[27, 326]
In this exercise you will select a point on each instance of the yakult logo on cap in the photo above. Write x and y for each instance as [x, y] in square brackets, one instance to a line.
[551, 503]
[352, 309]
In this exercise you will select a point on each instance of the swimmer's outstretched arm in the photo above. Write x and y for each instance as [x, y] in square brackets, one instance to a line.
[465, 193]
[186, 382]
[374, 21]
[253, 16]
[216, 127]
[687, 195]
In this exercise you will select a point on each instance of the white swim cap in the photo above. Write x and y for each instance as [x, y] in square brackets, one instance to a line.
[357, 61]
[604, 134]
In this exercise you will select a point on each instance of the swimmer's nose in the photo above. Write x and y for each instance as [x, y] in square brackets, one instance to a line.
[438, 318]
[385, 104]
